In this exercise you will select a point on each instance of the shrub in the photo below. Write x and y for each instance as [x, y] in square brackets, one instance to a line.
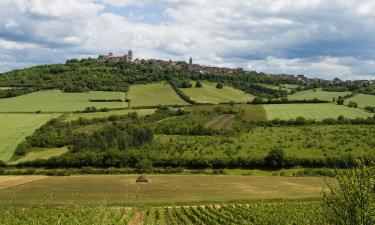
[352, 200]
[2, 163]
[353, 104]
[275, 158]
[198, 84]
[220, 85]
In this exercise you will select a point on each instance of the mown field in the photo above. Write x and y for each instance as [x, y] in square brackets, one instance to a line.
[153, 94]
[362, 100]
[57, 101]
[316, 93]
[15, 127]
[312, 111]
[317, 141]
[161, 190]
[76, 116]
[208, 93]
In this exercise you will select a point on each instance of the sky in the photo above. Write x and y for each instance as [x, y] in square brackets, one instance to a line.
[318, 38]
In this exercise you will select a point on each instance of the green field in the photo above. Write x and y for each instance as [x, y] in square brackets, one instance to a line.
[161, 190]
[318, 93]
[362, 100]
[312, 111]
[15, 127]
[76, 116]
[40, 154]
[208, 93]
[57, 101]
[153, 94]
[316, 142]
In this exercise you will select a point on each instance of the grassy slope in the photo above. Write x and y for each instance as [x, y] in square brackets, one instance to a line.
[57, 101]
[41, 154]
[208, 93]
[322, 95]
[303, 142]
[363, 100]
[312, 111]
[153, 94]
[76, 116]
[162, 189]
[15, 127]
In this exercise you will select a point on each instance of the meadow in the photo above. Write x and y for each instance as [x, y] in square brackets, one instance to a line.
[58, 101]
[15, 127]
[40, 154]
[312, 111]
[208, 93]
[362, 100]
[316, 93]
[316, 142]
[153, 94]
[161, 190]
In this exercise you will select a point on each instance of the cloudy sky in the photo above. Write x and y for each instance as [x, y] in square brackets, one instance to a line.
[319, 38]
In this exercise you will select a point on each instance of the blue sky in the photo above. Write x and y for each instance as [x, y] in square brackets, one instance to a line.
[318, 38]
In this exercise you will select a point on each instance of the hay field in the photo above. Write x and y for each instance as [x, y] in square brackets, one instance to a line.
[153, 94]
[318, 93]
[57, 101]
[208, 93]
[16, 127]
[162, 189]
[312, 111]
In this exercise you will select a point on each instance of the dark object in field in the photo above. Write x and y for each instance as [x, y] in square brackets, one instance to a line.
[141, 179]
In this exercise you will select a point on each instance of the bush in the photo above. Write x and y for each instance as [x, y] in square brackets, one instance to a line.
[275, 158]
[353, 104]
[2, 163]
[352, 200]
[220, 85]
[198, 84]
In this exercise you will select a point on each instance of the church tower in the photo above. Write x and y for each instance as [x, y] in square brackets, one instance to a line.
[190, 61]
[130, 56]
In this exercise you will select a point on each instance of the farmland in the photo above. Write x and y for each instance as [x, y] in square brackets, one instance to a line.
[153, 94]
[15, 127]
[208, 93]
[41, 154]
[316, 93]
[362, 100]
[57, 101]
[161, 190]
[312, 111]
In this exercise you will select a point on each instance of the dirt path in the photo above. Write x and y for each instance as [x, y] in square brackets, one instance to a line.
[137, 218]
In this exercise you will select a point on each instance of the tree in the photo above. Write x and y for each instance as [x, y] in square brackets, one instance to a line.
[198, 84]
[275, 158]
[220, 85]
[232, 103]
[340, 100]
[352, 199]
[353, 104]
[333, 99]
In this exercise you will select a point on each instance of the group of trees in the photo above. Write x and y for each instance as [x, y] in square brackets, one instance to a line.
[13, 92]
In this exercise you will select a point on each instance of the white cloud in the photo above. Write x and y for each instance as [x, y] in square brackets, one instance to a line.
[314, 37]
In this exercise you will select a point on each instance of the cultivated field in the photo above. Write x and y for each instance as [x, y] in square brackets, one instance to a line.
[312, 111]
[162, 189]
[57, 101]
[315, 142]
[362, 100]
[41, 154]
[153, 94]
[318, 93]
[208, 93]
[15, 127]
[76, 116]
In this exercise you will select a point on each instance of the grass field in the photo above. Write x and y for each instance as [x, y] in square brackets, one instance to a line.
[5, 88]
[76, 116]
[208, 93]
[41, 154]
[161, 190]
[286, 87]
[57, 101]
[153, 94]
[318, 93]
[315, 142]
[362, 100]
[15, 127]
[312, 111]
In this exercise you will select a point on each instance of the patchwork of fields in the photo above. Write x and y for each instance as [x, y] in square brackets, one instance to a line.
[57, 101]
[316, 93]
[312, 111]
[208, 93]
[153, 94]
[15, 127]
